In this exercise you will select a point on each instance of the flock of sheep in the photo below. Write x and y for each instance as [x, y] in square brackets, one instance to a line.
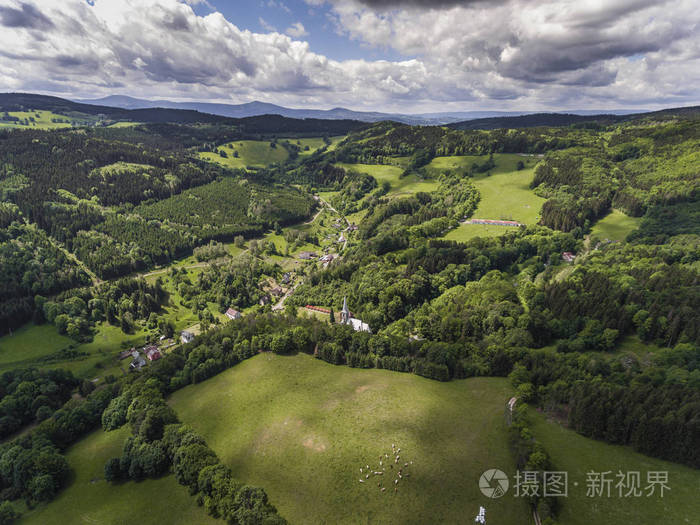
[386, 466]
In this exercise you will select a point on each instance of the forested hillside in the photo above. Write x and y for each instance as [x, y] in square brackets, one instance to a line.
[600, 333]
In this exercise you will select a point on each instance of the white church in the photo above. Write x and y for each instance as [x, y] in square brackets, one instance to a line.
[346, 318]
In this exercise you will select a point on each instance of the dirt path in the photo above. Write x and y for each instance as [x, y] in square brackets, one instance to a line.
[314, 217]
[93, 277]
[280, 304]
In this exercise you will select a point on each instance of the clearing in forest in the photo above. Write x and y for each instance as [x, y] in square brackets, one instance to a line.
[505, 193]
[578, 455]
[90, 499]
[302, 428]
[253, 153]
[615, 226]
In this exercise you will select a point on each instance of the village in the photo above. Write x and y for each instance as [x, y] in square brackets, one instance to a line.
[334, 232]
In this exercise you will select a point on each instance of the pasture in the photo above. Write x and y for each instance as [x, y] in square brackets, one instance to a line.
[615, 226]
[505, 194]
[400, 186]
[42, 119]
[579, 455]
[91, 499]
[40, 346]
[314, 144]
[29, 343]
[254, 153]
[302, 429]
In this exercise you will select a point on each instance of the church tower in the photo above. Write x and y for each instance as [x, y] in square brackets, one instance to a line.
[345, 313]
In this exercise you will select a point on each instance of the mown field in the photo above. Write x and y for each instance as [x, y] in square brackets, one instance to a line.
[615, 226]
[505, 194]
[579, 455]
[302, 429]
[90, 499]
[250, 153]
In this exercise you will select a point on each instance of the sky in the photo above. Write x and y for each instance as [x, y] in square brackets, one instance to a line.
[407, 56]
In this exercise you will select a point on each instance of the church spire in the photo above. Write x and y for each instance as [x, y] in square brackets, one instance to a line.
[345, 313]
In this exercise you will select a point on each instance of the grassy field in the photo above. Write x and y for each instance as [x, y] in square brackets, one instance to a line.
[302, 428]
[392, 175]
[250, 153]
[29, 343]
[505, 194]
[315, 143]
[579, 455]
[615, 226]
[42, 120]
[90, 499]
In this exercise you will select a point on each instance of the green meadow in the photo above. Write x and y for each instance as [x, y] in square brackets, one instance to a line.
[302, 429]
[29, 343]
[505, 194]
[39, 346]
[42, 120]
[392, 175]
[579, 455]
[615, 226]
[254, 153]
[314, 144]
[92, 500]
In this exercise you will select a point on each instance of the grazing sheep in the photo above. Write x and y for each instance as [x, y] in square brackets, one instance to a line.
[362, 481]
[383, 489]
[367, 476]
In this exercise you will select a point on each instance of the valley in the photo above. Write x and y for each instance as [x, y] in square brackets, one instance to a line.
[144, 236]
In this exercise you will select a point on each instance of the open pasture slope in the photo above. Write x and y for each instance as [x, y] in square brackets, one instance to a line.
[252, 153]
[302, 429]
[505, 194]
[91, 500]
[578, 455]
[400, 186]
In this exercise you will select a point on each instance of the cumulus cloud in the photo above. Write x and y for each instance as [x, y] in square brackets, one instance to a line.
[297, 30]
[459, 54]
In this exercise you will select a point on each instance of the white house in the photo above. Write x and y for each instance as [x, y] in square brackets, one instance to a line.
[186, 337]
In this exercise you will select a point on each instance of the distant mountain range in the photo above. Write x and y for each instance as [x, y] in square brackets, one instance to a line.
[260, 117]
[256, 108]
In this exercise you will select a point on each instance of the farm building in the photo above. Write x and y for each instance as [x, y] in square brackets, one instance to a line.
[277, 291]
[307, 256]
[152, 353]
[490, 222]
[233, 314]
[138, 361]
[352, 227]
[568, 257]
[265, 299]
[186, 336]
